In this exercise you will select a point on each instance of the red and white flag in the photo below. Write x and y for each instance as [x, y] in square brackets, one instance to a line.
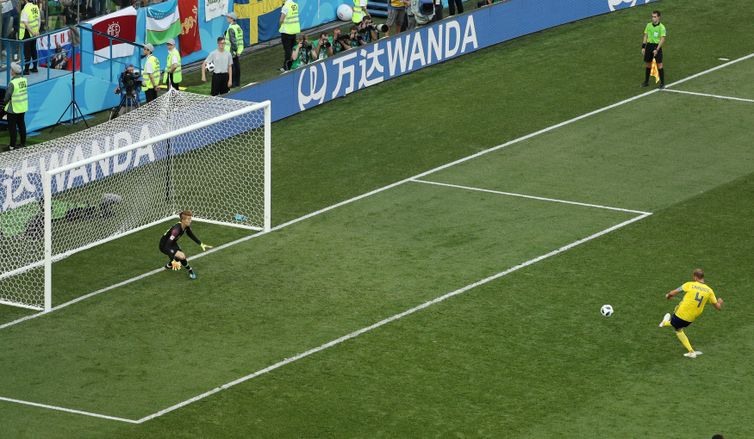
[120, 24]
[189, 40]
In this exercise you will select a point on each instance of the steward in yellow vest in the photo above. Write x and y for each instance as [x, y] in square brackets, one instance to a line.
[150, 73]
[359, 11]
[234, 46]
[16, 105]
[30, 21]
[172, 76]
[289, 27]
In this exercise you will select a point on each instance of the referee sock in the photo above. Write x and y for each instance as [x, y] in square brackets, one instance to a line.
[646, 74]
[662, 75]
[684, 340]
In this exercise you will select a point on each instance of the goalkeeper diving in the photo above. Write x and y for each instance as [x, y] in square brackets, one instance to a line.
[169, 244]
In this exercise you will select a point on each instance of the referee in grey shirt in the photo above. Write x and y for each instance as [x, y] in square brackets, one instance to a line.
[222, 74]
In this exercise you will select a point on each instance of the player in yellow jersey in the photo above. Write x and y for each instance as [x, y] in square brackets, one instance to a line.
[697, 294]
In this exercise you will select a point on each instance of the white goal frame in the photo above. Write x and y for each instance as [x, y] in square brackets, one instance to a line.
[48, 174]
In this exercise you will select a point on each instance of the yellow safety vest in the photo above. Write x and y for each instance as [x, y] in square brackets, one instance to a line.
[177, 76]
[290, 25]
[32, 11]
[19, 98]
[358, 12]
[239, 39]
[146, 82]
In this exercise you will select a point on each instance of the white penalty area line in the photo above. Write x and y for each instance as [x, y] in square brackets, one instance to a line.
[391, 319]
[530, 197]
[707, 95]
[67, 410]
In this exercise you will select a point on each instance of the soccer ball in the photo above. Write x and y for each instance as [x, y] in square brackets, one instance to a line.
[210, 67]
[344, 13]
[606, 310]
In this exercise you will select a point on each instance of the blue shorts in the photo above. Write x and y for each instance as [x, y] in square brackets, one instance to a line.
[678, 323]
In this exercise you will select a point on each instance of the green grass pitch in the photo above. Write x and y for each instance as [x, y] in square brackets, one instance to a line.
[523, 355]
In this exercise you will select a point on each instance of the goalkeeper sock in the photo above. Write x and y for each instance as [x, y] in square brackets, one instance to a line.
[646, 74]
[186, 264]
[662, 76]
[684, 340]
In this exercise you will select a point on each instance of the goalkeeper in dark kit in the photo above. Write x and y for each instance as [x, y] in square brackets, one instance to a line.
[169, 244]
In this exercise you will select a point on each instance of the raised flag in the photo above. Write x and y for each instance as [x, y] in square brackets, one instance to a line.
[654, 72]
[120, 24]
[189, 41]
[163, 22]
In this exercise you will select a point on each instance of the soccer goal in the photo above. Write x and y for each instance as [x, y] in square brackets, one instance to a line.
[182, 151]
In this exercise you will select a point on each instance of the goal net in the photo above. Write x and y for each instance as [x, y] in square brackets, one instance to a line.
[182, 151]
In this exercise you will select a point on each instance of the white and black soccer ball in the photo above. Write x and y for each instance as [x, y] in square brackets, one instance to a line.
[606, 310]
[345, 12]
[210, 66]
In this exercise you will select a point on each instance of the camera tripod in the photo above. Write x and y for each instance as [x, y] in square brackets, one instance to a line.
[128, 102]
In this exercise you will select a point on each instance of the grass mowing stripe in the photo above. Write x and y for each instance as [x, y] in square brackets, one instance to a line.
[390, 319]
[392, 185]
[694, 93]
[67, 410]
[530, 197]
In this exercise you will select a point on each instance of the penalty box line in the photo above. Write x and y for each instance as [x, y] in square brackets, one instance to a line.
[384, 188]
[391, 319]
[530, 197]
[336, 341]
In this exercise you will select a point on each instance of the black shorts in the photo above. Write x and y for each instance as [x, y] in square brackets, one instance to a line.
[169, 249]
[678, 323]
[649, 53]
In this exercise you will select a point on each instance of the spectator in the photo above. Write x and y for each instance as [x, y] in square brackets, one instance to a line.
[60, 59]
[6, 24]
[322, 48]
[396, 15]
[289, 27]
[302, 53]
[222, 70]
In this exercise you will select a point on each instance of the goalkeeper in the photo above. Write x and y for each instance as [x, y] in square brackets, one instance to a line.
[169, 244]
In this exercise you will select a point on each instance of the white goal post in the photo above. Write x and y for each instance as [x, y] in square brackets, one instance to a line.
[206, 154]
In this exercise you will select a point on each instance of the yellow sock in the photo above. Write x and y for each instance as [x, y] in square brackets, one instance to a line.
[684, 340]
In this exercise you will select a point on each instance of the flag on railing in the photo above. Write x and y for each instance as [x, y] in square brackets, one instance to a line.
[163, 22]
[120, 24]
[189, 40]
[47, 46]
[259, 19]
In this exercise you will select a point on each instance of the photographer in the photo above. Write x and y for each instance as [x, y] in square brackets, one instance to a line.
[129, 83]
[322, 48]
[354, 38]
[302, 53]
[340, 42]
[59, 60]
[367, 30]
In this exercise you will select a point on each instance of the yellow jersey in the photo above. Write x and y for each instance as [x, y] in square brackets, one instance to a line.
[696, 296]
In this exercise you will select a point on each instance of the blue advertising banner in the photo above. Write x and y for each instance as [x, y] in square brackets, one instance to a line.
[391, 57]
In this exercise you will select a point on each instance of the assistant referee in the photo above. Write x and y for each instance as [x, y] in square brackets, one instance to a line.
[651, 47]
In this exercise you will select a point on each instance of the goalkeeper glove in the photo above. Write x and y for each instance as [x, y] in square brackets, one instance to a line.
[205, 246]
[175, 265]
